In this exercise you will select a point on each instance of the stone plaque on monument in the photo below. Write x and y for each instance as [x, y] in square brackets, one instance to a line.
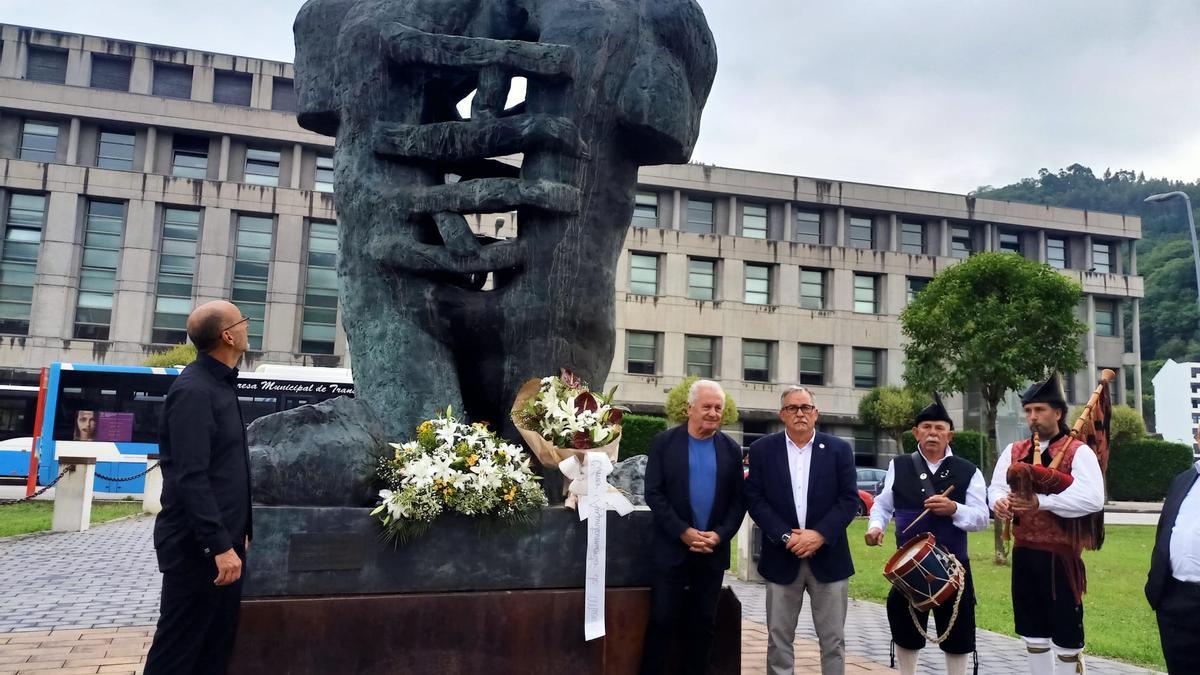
[320, 552]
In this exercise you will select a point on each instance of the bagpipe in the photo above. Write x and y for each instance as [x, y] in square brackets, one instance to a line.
[1026, 479]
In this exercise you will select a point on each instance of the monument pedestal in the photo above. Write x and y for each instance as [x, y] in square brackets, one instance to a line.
[323, 595]
[531, 632]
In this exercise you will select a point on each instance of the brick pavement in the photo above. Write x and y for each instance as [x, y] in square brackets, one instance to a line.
[81, 602]
[73, 651]
[868, 636]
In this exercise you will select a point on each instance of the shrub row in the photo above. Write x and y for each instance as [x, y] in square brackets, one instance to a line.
[636, 433]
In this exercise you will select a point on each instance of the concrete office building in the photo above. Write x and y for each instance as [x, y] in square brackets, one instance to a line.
[138, 180]
[1177, 402]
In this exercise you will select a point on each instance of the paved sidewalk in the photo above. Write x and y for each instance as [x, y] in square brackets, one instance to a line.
[103, 577]
[91, 596]
[868, 636]
[1133, 507]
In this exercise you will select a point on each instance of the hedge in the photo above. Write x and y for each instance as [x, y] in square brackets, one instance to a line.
[966, 444]
[636, 433]
[1141, 471]
[179, 355]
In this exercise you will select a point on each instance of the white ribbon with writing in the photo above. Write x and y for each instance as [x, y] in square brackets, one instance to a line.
[595, 497]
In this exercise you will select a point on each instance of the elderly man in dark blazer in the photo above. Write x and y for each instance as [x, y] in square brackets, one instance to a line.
[694, 489]
[1173, 585]
[802, 492]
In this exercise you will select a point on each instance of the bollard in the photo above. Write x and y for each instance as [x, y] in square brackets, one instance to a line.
[152, 491]
[747, 565]
[73, 496]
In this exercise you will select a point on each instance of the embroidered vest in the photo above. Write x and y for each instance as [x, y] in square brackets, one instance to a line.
[1043, 529]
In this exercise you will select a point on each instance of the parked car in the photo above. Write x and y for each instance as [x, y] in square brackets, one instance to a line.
[871, 480]
[865, 502]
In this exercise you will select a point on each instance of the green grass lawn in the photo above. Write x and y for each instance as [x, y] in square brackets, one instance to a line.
[36, 516]
[1117, 621]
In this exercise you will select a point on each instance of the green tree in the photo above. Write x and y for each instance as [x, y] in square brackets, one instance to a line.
[179, 355]
[990, 325]
[891, 410]
[676, 405]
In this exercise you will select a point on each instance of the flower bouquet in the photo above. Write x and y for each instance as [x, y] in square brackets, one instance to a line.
[562, 420]
[456, 467]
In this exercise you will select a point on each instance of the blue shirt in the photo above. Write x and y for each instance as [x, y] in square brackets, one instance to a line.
[702, 479]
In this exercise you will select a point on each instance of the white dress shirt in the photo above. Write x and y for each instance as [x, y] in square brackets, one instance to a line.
[1084, 496]
[799, 461]
[1185, 537]
[969, 517]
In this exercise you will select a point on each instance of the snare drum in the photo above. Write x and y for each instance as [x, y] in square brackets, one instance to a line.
[924, 572]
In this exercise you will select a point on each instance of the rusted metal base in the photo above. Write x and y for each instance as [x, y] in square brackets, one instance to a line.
[494, 632]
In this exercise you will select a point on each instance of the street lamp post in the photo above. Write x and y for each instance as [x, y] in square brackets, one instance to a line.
[1191, 230]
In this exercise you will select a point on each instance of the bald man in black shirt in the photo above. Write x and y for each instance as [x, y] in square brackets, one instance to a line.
[204, 529]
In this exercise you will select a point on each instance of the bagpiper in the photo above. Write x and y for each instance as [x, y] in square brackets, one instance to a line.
[1051, 488]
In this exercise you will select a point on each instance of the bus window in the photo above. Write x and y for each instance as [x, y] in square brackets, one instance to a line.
[290, 402]
[109, 407]
[18, 408]
[254, 407]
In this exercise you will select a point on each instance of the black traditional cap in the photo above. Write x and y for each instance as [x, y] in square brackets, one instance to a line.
[1049, 391]
[934, 412]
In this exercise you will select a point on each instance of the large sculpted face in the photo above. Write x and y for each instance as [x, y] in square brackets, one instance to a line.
[435, 315]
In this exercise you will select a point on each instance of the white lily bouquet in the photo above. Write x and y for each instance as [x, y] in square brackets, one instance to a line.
[562, 420]
[455, 467]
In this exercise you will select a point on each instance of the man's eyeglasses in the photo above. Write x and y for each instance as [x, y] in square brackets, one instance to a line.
[793, 409]
[235, 324]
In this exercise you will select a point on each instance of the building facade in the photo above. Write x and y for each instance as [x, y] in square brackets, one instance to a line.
[140, 180]
[1177, 402]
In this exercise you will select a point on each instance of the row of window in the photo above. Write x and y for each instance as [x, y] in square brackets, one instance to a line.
[189, 155]
[169, 80]
[860, 232]
[702, 357]
[104, 227]
[759, 287]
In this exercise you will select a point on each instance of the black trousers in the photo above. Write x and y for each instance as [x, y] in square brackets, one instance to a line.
[962, 637]
[1179, 627]
[683, 610]
[1043, 604]
[196, 624]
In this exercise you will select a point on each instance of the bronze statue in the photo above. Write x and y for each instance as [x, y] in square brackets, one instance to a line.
[612, 85]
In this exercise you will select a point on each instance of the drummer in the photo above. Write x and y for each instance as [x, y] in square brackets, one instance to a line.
[914, 483]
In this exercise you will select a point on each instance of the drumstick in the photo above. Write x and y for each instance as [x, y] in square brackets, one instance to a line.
[926, 511]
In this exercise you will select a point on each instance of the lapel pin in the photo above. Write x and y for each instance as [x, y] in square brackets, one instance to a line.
[821, 445]
[924, 476]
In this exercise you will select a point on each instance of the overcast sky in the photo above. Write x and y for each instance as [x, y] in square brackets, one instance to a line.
[945, 95]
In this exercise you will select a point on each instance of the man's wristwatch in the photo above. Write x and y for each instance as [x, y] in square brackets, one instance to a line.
[787, 536]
